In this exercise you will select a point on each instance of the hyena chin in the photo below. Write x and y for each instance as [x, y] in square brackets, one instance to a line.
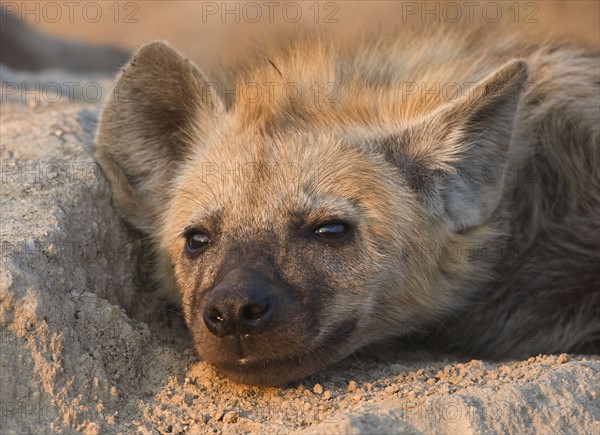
[325, 195]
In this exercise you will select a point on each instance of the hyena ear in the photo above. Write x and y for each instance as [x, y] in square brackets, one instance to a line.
[159, 105]
[463, 148]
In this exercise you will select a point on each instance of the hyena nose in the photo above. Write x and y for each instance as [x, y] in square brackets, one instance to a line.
[238, 309]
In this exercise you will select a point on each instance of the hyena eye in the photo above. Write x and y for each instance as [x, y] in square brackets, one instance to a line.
[332, 230]
[196, 241]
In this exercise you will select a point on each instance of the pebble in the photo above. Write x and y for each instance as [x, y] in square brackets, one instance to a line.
[51, 249]
[230, 417]
[352, 386]
[391, 389]
[91, 429]
[318, 389]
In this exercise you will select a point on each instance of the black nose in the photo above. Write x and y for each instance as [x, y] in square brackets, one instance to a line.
[238, 308]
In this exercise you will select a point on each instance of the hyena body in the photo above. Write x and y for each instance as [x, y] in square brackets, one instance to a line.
[324, 196]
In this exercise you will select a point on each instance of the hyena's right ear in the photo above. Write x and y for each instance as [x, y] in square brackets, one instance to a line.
[158, 106]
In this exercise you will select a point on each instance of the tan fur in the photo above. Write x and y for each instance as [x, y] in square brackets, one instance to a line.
[505, 265]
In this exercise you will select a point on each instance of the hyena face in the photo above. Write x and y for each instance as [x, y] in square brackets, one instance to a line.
[281, 252]
[293, 245]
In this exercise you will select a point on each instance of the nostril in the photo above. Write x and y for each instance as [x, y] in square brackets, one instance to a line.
[255, 317]
[216, 322]
[214, 315]
[256, 311]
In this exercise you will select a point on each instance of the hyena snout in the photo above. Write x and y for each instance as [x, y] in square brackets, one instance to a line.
[239, 305]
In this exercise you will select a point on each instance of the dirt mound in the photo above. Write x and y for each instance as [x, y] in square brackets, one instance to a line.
[88, 345]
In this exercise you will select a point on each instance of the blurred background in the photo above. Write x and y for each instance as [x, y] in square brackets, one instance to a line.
[57, 34]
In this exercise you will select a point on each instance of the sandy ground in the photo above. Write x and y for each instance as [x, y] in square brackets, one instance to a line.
[88, 345]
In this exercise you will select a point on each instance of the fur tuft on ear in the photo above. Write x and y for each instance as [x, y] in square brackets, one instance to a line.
[159, 105]
[458, 153]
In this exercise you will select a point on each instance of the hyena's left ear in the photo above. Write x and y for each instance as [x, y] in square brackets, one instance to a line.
[463, 148]
[160, 104]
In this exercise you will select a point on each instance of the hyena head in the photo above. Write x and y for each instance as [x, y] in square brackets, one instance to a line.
[296, 233]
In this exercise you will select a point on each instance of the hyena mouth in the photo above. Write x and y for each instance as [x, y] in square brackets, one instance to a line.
[278, 370]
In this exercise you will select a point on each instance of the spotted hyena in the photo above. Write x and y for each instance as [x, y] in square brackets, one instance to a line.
[324, 195]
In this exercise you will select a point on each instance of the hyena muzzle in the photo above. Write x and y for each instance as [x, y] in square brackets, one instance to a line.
[322, 195]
